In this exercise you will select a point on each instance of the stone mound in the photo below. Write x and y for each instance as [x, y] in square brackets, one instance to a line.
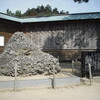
[21, 52]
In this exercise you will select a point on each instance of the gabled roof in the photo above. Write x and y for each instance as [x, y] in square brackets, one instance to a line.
[79, 16]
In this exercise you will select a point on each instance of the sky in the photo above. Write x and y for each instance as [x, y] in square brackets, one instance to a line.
[66, 5]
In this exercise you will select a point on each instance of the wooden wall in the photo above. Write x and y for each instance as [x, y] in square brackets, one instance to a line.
[66, 39]
[83, 34]
[7, 28]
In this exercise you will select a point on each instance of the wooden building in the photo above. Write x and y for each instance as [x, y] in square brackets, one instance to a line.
[64, 36]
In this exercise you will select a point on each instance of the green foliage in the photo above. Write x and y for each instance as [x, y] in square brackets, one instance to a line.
[39, 11]
[9, 12]
[30, 12]
[55, 11]
[18, 13]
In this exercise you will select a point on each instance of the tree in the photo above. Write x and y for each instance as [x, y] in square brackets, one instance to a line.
[62, 12]
[55, 11]
[9, 12]
[48, 9]
[18, 13]
[80, 1]
[39, 11]
[42, 9]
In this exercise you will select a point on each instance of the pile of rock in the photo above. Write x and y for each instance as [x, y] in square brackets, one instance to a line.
[21, 52]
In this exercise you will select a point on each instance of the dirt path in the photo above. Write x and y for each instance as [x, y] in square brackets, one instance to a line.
[81, 92]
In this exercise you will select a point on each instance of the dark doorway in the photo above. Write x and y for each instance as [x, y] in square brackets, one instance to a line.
[92, 57]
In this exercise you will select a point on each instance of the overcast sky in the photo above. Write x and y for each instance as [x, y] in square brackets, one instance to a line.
[66, 5]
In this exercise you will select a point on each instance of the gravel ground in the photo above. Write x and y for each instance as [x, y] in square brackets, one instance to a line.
[59, 75]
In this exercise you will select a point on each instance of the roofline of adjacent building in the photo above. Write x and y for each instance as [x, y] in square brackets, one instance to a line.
[74, 16]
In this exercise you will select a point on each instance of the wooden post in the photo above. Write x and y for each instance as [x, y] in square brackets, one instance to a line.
[15, 81]
[53, 77]
[58, 57]
[72, 66]
[90, 74]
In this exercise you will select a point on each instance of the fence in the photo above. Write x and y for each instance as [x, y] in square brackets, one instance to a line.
[52, 82]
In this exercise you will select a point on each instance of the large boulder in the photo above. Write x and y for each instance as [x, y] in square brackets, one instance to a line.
[21, 52]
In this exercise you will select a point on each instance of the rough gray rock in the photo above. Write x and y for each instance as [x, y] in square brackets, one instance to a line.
[20, 51]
